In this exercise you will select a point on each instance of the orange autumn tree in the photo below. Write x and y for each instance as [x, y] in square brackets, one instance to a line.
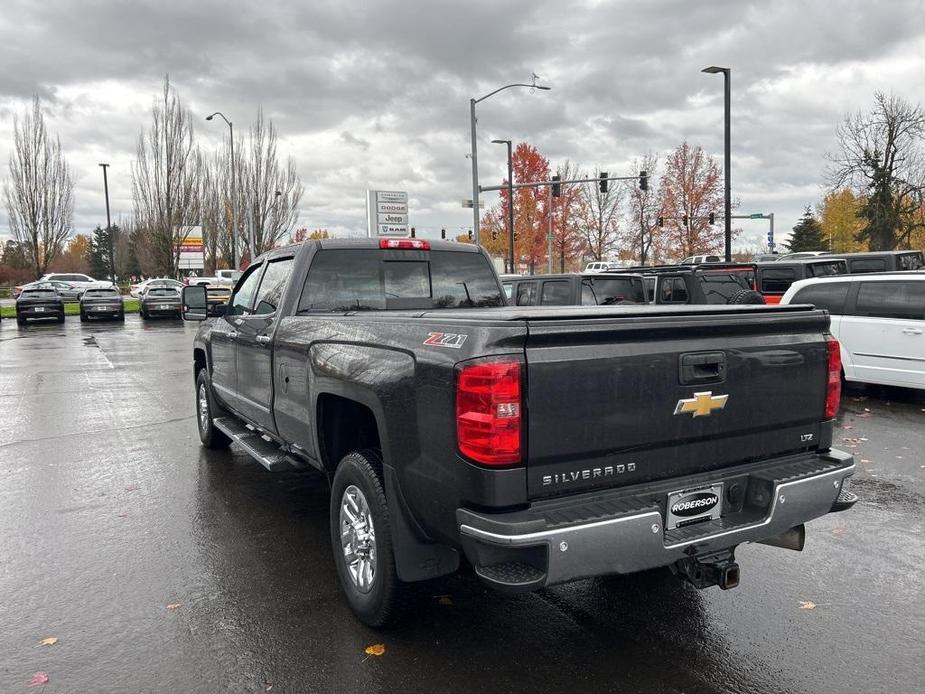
[691, 188]
[530, 209]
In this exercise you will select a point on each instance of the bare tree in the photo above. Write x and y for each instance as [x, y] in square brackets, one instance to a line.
[600, 218]
[642, 233]
[40, 191]
[881, 159]
[165, 181]
[269, 192]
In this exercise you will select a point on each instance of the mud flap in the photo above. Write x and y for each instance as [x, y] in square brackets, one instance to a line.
[416, 559]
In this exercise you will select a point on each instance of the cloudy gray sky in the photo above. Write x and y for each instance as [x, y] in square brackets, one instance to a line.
[375, 94]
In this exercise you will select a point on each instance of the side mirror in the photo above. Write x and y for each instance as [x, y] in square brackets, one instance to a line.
[194, 303]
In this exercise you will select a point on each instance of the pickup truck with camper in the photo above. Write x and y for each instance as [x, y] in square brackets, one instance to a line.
[539, 444]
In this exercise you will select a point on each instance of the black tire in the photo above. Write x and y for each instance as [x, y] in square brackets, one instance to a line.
[83, 317]
[141, 312]
[377, 604]
[121, 316]
[210, 436]
[746, 296]
[61, 317]
[20, 320]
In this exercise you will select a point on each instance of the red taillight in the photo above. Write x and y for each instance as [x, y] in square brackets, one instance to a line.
[833, 388]
[405, 244]
[488, 412]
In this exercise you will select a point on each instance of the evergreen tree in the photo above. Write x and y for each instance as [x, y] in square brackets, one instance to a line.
[807, 234]
[98, 255]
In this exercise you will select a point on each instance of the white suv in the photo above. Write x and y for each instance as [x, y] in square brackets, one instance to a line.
[78, 280]
[878, 318]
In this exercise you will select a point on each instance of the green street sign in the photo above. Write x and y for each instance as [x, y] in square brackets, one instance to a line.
[756, 215]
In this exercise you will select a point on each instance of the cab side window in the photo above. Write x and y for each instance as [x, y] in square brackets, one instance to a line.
[555, 293]
[673, 291]
[243, 299]
[272, 286]
[526, 294]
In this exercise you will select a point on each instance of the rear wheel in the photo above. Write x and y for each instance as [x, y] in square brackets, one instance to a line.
[361, 539]
[210, 436]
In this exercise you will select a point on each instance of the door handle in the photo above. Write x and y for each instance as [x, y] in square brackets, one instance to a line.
[912, 331]
[263, 339]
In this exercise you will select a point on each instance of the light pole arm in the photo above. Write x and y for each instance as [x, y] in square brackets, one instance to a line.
[508, 86]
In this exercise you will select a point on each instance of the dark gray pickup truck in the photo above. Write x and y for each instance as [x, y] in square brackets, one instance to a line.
[544, 444]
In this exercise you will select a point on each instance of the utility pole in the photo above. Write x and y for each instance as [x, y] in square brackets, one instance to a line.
[112, 259]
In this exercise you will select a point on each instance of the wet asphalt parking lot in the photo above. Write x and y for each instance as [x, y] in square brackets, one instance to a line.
[162, 567]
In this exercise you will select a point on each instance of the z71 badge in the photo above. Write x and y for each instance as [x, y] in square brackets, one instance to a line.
[452, 340]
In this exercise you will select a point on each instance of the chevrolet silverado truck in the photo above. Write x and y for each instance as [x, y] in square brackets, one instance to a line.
[541, 444]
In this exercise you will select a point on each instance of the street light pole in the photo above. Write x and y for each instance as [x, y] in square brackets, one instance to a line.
[510, 201]
[112, 260]
[234, 199]
[474, 153]
[727, 161]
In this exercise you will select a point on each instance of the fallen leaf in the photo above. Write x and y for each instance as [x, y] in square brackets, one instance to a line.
[807, 605]
[837, 532]
[375, 649]
[847, 426]
[38, 679]
[50, 641]
[267, 686]
[864, 460]
[174, 605]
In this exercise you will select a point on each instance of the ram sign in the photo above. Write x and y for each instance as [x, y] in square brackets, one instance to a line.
[386, 213]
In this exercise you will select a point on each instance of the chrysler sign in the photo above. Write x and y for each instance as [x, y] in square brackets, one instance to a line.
[387, 213]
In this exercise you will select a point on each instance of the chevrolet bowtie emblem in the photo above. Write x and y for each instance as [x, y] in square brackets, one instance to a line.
[702, 404]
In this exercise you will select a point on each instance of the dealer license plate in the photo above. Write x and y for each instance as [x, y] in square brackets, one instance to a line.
[40, 309]
[694, 505]
[164, 307]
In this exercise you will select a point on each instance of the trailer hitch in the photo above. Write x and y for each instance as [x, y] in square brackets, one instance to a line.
[717, 569]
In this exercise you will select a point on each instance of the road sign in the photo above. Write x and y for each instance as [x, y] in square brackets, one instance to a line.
[468, 203]
[387, 213]
[756, 215]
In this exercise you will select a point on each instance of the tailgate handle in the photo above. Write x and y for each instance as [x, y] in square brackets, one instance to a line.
[702, 367]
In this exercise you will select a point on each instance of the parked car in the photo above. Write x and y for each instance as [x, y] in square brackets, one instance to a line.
[160, 284]
[705, 283]
[775, 278]
[138, 288]
[575, 290]
[163, 302]
[544, 444]
[101, 302]
[883, 261]
[765, 257]
[879, 320]
[78, 280]
[66, 291]
[39, 304]
[698, 259]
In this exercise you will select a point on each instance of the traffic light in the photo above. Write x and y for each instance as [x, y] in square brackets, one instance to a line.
[556, 186]
[443, 234]
[661, 222]
[412, 232]
[712, 218]
[470, 234]
[494, 234]
[643, 181]
[684, 220]
[770, 238]
[603, 182]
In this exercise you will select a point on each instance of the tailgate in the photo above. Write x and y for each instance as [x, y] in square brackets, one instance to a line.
[618, 401]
